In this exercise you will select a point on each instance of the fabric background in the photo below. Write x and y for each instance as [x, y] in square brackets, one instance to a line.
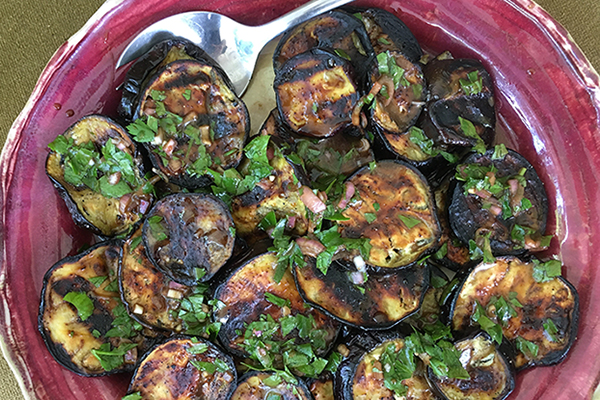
[31, 30]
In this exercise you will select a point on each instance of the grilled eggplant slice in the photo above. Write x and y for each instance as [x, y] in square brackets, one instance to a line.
[156, 301]
[396, 211]
[461, 110]
[82, 320]
[336, 30]
[98, 172]
[268, 386]
[246, 295]
[360, 376]
[184, 368]
[499, 199]
[492, 375]
[278, 193]
[316, 93]
[322, 387]
[190, 119]
[539, 318]
[189, 236]
[379, 302]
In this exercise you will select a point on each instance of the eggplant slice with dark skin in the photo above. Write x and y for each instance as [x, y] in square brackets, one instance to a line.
[190, 119]
[244, 298]
[316, 93]
[543, 319]
[395, 210]
[500, 199]
[98, 172]
[337, 31]
[379, 302]
[258, 385]
[82, 319]
[155, 300]
[321, 388]
[189, 236]
[492, 374]
[184, 368]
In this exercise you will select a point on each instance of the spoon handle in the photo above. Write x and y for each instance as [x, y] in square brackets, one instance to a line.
[301, 14]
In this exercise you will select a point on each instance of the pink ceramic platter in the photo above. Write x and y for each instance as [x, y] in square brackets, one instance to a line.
[548, 103]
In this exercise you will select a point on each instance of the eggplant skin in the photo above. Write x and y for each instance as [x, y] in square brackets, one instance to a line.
[405, 225]
[192, 237]
[492, 375]
[555, 300]
[167, 372]
[316, 93]
[243, 296]
[387, 298]
[217, 120]
[251, 386]
[69, 339]
[278, 193]
[102, 215]
[149, 295]
[469, 219]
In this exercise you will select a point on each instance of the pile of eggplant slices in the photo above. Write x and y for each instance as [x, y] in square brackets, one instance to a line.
[370, 242]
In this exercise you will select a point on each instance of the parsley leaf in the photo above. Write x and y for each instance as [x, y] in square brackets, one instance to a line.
[408, 221]
[480, 316]
[132, 396]
[278, 301]
[83, 304]
[546, 271]
[112, 359]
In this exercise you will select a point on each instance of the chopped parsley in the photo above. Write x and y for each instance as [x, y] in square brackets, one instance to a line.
[551, 329]
[473, 84]
[83, 304]
[342, 54]
[133, 396]
[480, 317]
[426, 145]
[546, 271]
[195, 311]
[386, 64]
[408, 221]
[111, 359]
[526, 347]
[469, 130]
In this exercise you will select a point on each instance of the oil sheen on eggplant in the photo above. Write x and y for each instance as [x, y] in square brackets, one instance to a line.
[243, 296]
[200, 121]
[395, 210]
[184, 368]
[504, 201]
[71, 337]
[254, 386]
[555, 300]
[316, 92]
[189, 236]
[492, 375]
[380, 302]
[103, 215]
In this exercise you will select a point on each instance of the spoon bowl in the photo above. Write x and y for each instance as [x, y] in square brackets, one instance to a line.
[234, 46]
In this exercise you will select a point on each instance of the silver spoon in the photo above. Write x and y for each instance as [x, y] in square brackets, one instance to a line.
[234, 46]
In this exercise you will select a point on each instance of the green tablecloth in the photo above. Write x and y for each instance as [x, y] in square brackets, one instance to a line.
[31, 30]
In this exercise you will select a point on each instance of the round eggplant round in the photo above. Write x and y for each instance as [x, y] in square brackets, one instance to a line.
[321, 388]
[155, 300]
[259, 385]
[249, 292]
[316, 93]
[191, 120]
[499, 199]
[491, 372]
[97, 171]
[361, 298]
[189, 236]
[184, 368]
[538, 314]
[336, 30]
[395, 210]
[81, 317]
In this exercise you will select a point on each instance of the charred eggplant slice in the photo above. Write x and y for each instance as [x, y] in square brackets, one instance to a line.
[184, 368]
[491, 373]
[97, 171]
[190, 120]
[322, 387]
[461, 108]
[316, 93]
[268, 386]
[360, 298]
[158, 302]
[189, 236]
[395, 210]
[336, 30]
[278, 193]
[251, 297]
[82, 320]
[536, 309]
[499, 202]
